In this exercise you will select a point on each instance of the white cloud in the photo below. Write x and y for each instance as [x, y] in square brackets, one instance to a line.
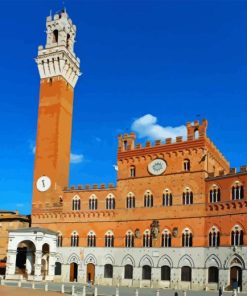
[32, 147]
[97, 139]
[147, 127]
[115, 167]
[76, 158]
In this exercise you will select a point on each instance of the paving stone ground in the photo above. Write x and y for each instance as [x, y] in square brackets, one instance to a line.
[13, 291]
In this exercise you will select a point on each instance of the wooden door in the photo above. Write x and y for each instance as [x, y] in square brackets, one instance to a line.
[236, 277]
[72, 272]
[90, 273]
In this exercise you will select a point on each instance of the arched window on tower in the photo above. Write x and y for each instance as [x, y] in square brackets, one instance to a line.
[147, 239]
[187, 196]
[166, 238]
[130, 201]
[55, 36]
[167, 198]
[67, 41]
[148, 199]
[59, 240]
[76, 203]
[196, 134]
[74, 239]
[110, 202]
[187, 238]
[186, 165]
[109, 239]
[237, 236]
[91, 239]
[93, 203]
[214, 193]
[132, 171]
[129, 239]
[214, 237]
[237, 191]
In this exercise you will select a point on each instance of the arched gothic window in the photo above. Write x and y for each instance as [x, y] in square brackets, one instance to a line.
[108, 271]
[148, 199]
[187, 238]
[214, 194]
[58, 268]
[130, 201]
[167, 198]
[186, 165]
[237, 236]
[165, 273]
[59, 240]
[213, 274]
[110, 202]
[129, 239]
[187, 196]
[132, 171]
[147, 239]
[214, 237]
[146, 272]
[76, 203]
[166, 238]
[74, 239]
[186, 274]
[237, 191]
[128, 272]
[109, 239]
[91, 239]
[93, 202]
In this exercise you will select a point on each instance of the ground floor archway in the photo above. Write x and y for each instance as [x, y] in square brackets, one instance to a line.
[90, 273]
[25, 258]
[236, 277]
[73, 272]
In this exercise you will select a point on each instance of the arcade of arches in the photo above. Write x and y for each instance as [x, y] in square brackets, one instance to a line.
[31, 254]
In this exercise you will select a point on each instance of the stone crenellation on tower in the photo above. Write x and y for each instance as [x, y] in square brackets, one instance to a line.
[58, 57]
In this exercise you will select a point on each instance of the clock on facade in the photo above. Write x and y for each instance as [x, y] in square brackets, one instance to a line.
[157, 167]
[43, 183]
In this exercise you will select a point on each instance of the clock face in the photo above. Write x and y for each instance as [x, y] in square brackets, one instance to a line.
[43, 183]
[157, 167]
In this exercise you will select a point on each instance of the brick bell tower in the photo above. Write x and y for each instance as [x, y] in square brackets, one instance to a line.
[59, 71]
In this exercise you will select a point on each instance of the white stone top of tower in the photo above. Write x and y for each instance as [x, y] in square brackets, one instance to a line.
[58, 57]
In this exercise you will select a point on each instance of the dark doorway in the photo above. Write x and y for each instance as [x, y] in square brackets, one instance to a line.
[236, 277]
[25, 258]
[73, 272]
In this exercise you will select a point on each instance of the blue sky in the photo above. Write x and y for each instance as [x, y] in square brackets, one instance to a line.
[175, 60]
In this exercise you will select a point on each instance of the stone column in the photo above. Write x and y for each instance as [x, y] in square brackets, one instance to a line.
[137, 275]
[11, 263]
[29, 262]
[244, 279]
[156, 276]
[223, 277]
[51, 266]
[175, 278]
[37, 266]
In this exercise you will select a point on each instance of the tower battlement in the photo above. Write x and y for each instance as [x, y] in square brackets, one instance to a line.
[195, 131]
[57, 58]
